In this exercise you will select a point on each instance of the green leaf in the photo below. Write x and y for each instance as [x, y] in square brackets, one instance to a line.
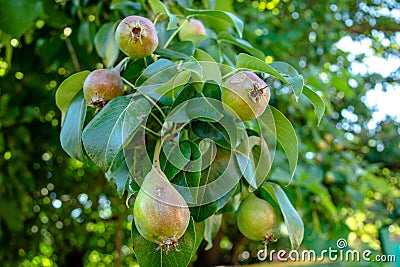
[119, 172]
[293, 221]
[254, 170]
[222, 15]
[16, 17]
[204, 108]
[188, 180]
[71, 132]
[213, 131]
[181, 50]
[86, 33]
[157, 73]
[199, 227]
[174, 157]
[193, 66]
[105, 44]
[108, 131]
[159, 8]
[213, 48]
[289, 75]
[172, 86]
[219, 179]
[211, 71]
[203, 212]
[212, 90]
[186, 93]
[212, 225]
[316, 101]
[284, 132]
[67, 91]
[148, 256]
[243, 44]
[294, 78]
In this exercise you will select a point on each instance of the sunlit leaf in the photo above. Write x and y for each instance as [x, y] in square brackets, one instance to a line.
[243, 44]
[71, 132]
[316, 101]
[67, 91]
[295, 80]
[159, 8]
[157, 73]
[293, 221]
[222, 15]
[254, 167]
[284, 132]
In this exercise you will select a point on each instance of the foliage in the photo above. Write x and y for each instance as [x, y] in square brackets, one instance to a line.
[58, 211]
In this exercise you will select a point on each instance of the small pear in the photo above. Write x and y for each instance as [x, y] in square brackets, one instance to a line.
[256, 219]
[246, 94]
[161, 214]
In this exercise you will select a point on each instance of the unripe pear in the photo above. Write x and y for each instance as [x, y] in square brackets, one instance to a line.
[102, 85]
[256, 219]
[246, 94]
[161, 214]
[136, 36]
[190, 28]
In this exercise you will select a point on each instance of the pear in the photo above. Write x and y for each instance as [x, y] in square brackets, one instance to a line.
[256, 219]
[161, 214]
[101, 86]
[136, 36]
[246, 94]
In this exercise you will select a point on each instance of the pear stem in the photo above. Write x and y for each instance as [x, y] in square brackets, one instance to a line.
[120, 64]
[156, 157]
[174, 34]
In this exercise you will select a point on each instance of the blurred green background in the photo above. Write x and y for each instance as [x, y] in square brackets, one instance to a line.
[54, 211]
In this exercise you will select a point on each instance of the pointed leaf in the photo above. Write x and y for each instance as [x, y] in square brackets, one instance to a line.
[67, 91]
[174, 157]
[316, 101]
[201, 213]
[243, 44]
[159, 8]
[86, 32]
[108, 131]
[223, 15]
[293, 221]
[212, 225]
[181, 50]
[119, 172]
[295, 79]
[211, 71]
[284, 132]
[71, 131]
[105, 44]
[157, 73]
[187, 180]
[254, 169]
